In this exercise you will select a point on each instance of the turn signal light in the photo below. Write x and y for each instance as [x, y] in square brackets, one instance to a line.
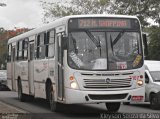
[141, 76]
[71, 78]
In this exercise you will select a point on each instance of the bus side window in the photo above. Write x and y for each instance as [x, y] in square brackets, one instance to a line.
[25, 49]
[19, 50]
[50, 44]
[40, 46]
[9, 53]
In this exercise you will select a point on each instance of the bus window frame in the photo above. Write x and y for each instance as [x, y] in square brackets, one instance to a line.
[39, 45]
[9, 52]
[48, 43]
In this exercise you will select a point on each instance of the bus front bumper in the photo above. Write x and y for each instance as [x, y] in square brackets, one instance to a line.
[78, 96]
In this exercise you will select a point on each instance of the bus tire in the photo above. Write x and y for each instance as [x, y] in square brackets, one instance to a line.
[21, 96]
[54, 106]
[113, 106]
[154, 102]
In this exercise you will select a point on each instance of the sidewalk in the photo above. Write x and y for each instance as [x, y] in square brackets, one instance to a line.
[6, 108]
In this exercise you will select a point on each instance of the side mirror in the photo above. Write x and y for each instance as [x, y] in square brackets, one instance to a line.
[64, 43]
[145, 45]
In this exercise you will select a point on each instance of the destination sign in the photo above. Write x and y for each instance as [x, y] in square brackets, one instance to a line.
[104, 23]
[109, 23]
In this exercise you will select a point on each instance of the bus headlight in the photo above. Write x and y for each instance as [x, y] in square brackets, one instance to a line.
[73, 85]
[140, 82]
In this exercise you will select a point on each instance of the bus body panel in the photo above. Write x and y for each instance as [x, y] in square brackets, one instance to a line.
[81, 92]
[81, 96]
[40, 76]
[9, 79]
[21, 73]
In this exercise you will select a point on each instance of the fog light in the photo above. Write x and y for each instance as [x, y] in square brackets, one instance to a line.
[140, 82]
[73, 85]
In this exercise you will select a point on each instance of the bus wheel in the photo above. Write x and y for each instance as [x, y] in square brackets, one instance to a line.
[21, 96]
[54, 106]
[154, 102]
[113, 106]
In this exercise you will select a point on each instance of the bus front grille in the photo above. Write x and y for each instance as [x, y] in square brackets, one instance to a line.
[107, 97]
[107, 83]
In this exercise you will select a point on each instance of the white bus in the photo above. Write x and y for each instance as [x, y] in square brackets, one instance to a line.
[79, 59]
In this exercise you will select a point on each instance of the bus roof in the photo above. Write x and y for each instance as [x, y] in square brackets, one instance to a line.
[62, 21]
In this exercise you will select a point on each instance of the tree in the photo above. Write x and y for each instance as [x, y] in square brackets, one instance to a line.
[4, 36]
[154, 44]
[2, 4]
[74, 7]
[3, 53]
[143, 9]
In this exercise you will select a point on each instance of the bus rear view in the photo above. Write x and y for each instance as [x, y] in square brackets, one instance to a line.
[104, 61]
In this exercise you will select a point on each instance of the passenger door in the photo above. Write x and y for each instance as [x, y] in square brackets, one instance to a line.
[60, 68]
[13, 68]
[31, 67]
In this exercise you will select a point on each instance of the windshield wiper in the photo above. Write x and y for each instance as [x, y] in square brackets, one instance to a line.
[111, 43]
[118, 37]
[74, 44]
[94, 40]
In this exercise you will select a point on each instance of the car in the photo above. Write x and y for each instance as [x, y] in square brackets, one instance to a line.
[3, 81]
[152, 80]
[3, 77]
[152, 84]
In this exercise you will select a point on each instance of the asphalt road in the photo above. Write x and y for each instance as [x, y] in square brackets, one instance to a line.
[95, 111]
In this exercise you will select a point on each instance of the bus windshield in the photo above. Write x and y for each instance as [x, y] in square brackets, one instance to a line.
[104, 50]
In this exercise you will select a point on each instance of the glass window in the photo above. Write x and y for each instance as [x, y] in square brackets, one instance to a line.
[19, 50]
[20, 45]
[31, 51]
[19, 55]
[50, 44]
[155, 76]
[124, 50]
[104, 50]
[52, 37]
[41, 46]
[42, 39]
[9, 52]
[25, 49]
[25, 44]
[51, 50]
[87, 50]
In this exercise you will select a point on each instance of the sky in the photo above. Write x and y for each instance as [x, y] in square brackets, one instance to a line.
[21, 14]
